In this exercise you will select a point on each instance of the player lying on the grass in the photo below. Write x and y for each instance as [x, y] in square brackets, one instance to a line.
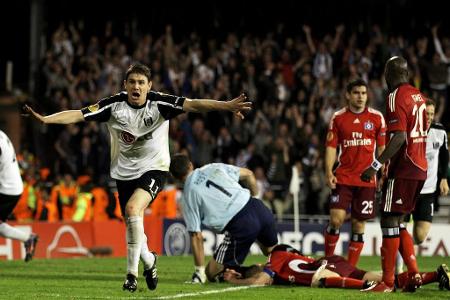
[287, 265]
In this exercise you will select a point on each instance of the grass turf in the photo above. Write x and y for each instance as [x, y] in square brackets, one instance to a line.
[102, 278]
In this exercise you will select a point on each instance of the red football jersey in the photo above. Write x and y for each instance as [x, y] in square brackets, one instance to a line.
[357, 135]
[292, 267]
[406, 111]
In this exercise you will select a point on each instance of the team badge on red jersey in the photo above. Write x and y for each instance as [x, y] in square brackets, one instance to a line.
[368, 125]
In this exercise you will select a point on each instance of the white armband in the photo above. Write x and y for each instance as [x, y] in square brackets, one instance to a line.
[376, 165]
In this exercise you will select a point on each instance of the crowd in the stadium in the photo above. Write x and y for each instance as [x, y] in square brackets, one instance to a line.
[296, 83]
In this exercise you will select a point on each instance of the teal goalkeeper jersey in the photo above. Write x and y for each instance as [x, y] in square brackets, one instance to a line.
[212, 196]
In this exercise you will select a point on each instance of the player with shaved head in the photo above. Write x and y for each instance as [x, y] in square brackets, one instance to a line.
[405, 173]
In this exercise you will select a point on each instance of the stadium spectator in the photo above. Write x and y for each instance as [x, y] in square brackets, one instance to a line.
[444, 55]
[11, 188]
[286, 265]
[406, 151]
[213, 197]
[138, 121]
[26, 206]
[358, 131]
[100, 203]
[63, 196]
[437, 159]
[166, 203]
[246, 59]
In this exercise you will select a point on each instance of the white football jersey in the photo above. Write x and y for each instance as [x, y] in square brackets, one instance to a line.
[139, 135]
[436, 142]
[10, 180]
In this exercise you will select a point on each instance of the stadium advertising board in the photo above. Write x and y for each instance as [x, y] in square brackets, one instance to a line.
[169, 237]
[309, 240]
[82, 239]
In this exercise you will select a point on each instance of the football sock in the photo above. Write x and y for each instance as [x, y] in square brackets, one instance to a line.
[146, 256]
[389, 248]
[331, 238]
[355, 248]
[10, 232]
[427, 277]
[401, 279]
[343, 282]
[407, 250]
[135, 232]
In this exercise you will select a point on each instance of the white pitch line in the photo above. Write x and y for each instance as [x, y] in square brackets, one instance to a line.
[176, 296]
[230, 289]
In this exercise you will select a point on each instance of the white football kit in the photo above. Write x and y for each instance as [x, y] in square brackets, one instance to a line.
[10, 179]
[436, 143]
[139, 134]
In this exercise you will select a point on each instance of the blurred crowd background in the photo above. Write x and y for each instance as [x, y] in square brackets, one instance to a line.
[292, 60]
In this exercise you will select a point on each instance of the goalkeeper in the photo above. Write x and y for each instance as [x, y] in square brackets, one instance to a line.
[212, 196]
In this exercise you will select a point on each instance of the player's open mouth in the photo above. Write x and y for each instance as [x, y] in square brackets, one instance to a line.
[135, 95]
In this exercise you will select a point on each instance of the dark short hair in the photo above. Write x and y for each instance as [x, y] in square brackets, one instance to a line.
[251, 271]
[354, 83]
[138, 69]
[179, 166]
[430, 102]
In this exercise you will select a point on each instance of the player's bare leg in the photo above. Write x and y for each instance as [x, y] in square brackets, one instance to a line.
[420, 231]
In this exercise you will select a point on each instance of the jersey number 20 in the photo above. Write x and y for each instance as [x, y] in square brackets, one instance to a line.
[418, 129]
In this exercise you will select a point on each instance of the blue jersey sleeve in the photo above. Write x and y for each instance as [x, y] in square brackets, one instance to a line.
[191, 211]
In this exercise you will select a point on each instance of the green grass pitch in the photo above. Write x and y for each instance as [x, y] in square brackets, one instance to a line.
[102, 278]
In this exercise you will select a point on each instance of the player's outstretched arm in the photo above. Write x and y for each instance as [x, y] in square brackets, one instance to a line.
[238, 105]
[63, 117]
